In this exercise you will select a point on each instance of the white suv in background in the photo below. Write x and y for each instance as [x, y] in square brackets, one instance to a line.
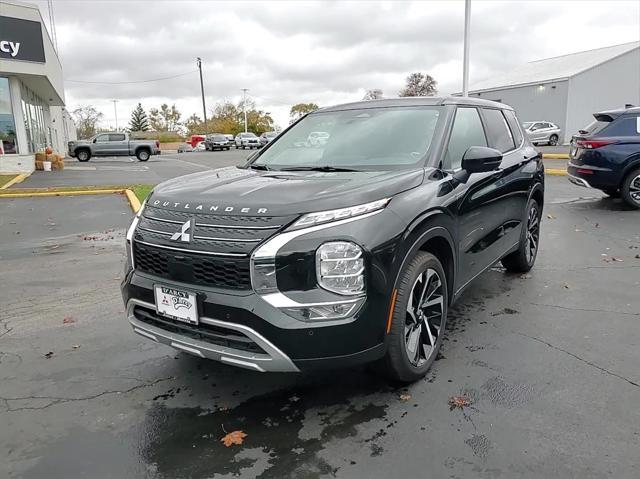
[542, 132]
[247, 140]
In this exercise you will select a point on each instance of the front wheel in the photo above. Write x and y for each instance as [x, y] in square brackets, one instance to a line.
[83, 155]
[523, 259]
[143, 155]
[553, 140]
[630, 190]
[418, 319]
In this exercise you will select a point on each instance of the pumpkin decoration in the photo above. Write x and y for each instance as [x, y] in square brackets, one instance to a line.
[48, 150]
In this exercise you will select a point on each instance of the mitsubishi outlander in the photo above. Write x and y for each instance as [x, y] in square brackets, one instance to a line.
[340, 252]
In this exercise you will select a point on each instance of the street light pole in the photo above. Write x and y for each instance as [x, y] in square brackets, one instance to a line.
[204, 106]
[244, 106]
[465, 60]
[115, 109]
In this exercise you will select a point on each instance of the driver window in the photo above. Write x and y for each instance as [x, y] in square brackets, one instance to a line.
[102, 138]
[467, 131]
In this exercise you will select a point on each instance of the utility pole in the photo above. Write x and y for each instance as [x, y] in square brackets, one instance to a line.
[244, 106]
[465, 60]
[204, 106]
[115, 109]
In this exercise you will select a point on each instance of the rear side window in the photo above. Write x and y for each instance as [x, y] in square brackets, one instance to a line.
[116, 137]
[467, 131]
[498, 131]
[516, 132]
[624, 126]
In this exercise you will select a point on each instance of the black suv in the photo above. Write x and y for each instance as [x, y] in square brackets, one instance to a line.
[606, 155]
[343, 252]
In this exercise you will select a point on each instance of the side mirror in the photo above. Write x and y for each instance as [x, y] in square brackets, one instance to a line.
[94, 140]
[478, 159]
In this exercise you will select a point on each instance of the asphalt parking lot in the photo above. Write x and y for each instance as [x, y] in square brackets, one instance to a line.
[548, 360]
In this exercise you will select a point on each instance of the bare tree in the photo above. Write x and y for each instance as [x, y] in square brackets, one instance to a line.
[87, 118]
[418, 84]
[374, 94]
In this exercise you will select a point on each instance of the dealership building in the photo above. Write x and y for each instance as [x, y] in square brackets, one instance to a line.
[568, 89]
[32, 108]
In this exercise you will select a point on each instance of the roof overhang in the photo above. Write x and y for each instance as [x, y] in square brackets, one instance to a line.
[519, 85]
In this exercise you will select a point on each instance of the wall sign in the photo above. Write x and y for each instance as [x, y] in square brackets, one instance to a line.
[21, 40]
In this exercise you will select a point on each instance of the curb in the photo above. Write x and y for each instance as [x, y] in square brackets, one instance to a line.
[134, 202]
[555, 156]
[555, 172]
[132, 199]
[18, 179]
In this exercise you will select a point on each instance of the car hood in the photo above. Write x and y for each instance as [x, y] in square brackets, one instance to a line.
[238, 191]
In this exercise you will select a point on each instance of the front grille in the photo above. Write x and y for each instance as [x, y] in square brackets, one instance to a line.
[202, 332]
[216, 254]
[232, 273]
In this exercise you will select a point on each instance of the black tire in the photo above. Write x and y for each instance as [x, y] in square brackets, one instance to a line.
[612, 193]
[553, 140]
[397, 362]
[83, 155]
[523, 259]
[630, 190]
[143, 154]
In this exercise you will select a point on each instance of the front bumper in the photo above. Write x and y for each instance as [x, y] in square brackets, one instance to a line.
[270, 359]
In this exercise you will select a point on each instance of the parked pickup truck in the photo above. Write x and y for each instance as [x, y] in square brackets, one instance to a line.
[113, 144]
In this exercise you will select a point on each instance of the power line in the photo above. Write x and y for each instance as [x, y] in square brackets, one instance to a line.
[130, 82]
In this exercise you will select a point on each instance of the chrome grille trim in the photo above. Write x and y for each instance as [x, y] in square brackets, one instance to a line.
[230, 227]
[153, 218]
[229, 240]
[195, 251]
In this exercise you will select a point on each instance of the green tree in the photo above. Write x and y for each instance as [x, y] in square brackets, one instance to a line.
[87, 118]
[139, 120]
[165, 119]
[229, 118]
[374, 94]
[418, 84]
[300, 109]
[194, 125]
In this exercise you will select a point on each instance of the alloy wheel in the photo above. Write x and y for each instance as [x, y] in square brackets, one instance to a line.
[634, 189]
[424, 317]
[533, 233]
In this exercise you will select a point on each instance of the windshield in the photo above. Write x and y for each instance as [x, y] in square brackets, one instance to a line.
[219, 138]
[247, 135]
[365, 139]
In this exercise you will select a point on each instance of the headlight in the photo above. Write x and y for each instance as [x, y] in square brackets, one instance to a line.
[340, 267]
[339, 214]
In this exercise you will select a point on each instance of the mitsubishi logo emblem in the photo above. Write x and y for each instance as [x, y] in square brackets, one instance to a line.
[183, 234]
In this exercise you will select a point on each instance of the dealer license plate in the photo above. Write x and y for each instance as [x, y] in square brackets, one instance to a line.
[177, 304]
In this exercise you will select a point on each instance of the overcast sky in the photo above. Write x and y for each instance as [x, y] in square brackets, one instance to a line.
[322, 52]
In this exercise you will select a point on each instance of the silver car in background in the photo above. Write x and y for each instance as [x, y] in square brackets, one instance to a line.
[542, 132]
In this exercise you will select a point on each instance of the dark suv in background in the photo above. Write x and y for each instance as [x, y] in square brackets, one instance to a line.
[341, 253]
[606, 155]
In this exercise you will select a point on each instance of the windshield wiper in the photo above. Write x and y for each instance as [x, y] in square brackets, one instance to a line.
[317, 168]
[255, 166]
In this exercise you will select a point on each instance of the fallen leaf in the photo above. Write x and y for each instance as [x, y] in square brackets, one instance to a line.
[405, 397]
[566, 286]
[75, 346]
[597, 225]
[234, 437]
[613, 258]
[458, 402]
[525, 276]
[578, 230]
[551, 217]
[68, 320]
[638, 256]
[49, 354]
[294, 398]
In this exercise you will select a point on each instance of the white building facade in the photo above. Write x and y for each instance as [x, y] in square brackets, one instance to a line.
[567, 90]
[32, 104]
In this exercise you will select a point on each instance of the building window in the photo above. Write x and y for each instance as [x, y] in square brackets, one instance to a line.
[34, 124]
[7, 123]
